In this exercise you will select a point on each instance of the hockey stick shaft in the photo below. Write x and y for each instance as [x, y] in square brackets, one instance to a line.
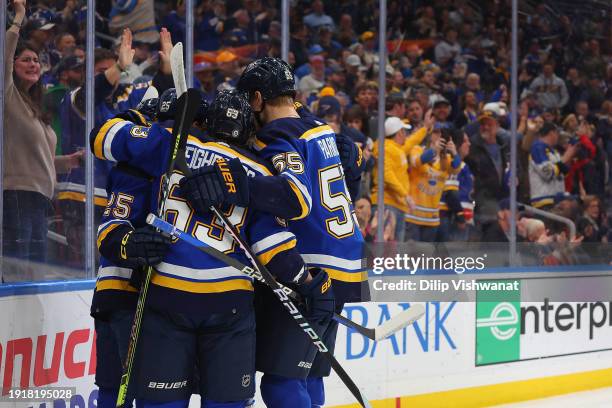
[403, 319]
[176, 233]
[282, 292]
[269, 280]
[381, 332]
[186, 110]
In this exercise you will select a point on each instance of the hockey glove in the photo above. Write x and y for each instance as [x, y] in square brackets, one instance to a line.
[133, 116]
[224, 182]
[142, 247]
[319, 296]
[350, 156]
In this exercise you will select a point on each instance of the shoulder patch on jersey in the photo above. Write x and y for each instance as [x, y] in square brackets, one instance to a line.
[140, 131]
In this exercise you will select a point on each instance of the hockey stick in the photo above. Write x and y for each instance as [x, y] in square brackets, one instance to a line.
[264, 276]
[378, 333]
[402, 320]
[178, 74]
[391, 326]
[151, 93]
[178, 69]
[187, 106]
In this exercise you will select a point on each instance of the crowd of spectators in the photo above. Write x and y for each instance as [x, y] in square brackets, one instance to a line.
[447, 124]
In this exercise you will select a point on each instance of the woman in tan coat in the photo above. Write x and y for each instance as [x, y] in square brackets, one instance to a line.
[29, 158]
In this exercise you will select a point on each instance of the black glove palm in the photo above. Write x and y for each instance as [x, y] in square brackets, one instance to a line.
[319, 296]
[224, 182]
[143, 247]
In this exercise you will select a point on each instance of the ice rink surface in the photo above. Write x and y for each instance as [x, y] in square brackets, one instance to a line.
[600, 398]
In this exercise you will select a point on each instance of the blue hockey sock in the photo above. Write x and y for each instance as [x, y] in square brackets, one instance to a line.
[316, 390]
[282, 392]
[107, 397]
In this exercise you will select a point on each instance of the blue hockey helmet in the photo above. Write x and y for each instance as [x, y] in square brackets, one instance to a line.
[166, 106]
[230, 117]
[272, 77]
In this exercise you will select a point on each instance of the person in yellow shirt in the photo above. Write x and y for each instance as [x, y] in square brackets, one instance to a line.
[430, 167]
[398, 143]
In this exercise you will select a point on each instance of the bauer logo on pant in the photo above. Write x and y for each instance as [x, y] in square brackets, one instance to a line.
[167, 385]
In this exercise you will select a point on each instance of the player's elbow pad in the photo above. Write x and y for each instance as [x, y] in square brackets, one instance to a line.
[288, 267]
[273, 195]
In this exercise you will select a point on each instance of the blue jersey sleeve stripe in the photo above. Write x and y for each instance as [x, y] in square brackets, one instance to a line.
[212, 280]
[101, 136]
[259, 145]
[272, 241]
[303, 189]
[114, 272]
[333, 262]
[105, 225]
[202, 287]
[342, 276]
[266, 256]
[104, 233]
[197, 274]
[108, 140]
[305, 208]
[115, 284]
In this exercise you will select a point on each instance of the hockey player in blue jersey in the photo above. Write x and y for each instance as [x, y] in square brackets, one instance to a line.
[111, 97]
[126, 245]
[310, 192]
[198, 309]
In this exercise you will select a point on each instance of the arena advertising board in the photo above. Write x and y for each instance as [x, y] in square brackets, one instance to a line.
[410, 361]
[48, 340]
[53, 345]
[516, 327]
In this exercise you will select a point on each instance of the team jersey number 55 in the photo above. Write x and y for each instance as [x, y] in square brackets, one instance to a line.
[337, 226]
